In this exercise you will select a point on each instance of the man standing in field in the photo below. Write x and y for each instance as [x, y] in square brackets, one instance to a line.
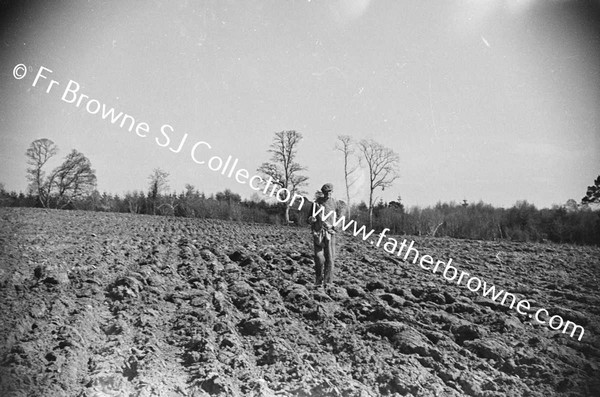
[324, 235]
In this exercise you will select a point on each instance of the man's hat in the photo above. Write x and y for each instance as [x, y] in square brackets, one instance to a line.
[327, 187]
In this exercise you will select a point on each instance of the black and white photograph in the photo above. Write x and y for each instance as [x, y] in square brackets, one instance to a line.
[300, 198]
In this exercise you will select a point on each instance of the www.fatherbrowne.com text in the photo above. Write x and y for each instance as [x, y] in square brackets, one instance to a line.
[450, 273]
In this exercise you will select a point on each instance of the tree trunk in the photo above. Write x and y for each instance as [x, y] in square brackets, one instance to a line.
[346, 181]
[348, 198]
[287, 214]
[436, 229]
[371, 209]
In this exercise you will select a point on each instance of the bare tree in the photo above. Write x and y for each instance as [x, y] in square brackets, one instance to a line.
[74, 178]
[383, 165]
[134, 201]
[346, 146]
[190, 190]
[38, 154]
[168, 204]
[159, 184]
[70, 181]
[283, 169]
[571, 205]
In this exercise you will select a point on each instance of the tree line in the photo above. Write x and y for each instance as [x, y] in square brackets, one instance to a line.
[568, 223]
[72, 185]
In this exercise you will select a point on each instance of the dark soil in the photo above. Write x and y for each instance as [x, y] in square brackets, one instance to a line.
[104, 304]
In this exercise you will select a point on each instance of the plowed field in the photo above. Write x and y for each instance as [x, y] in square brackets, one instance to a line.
[103, 304]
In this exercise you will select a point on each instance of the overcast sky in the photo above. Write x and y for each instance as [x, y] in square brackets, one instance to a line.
[493, 100]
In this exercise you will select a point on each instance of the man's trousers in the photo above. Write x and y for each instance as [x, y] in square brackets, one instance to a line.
[324, 259]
